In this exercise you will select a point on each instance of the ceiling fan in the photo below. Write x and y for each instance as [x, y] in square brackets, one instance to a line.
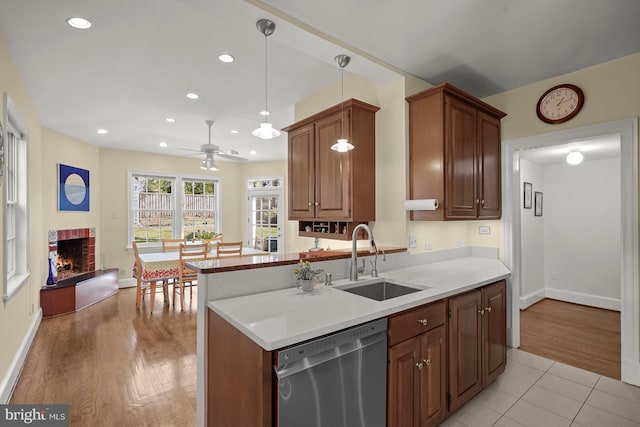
[210, 150]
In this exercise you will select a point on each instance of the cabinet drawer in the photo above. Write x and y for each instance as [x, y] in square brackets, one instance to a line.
[416, 321]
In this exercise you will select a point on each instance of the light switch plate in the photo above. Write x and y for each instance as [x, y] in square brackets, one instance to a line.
[484, 229]
[413, 241]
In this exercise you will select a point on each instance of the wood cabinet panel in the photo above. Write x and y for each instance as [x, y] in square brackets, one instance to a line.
[325, 185]
[434, 377]
[416, 321]
[301, 171]
[403, 384]
[494, 345]
[465, 350]
[454, 154]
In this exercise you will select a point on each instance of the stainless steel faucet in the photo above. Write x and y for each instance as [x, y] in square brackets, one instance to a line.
[353, 274]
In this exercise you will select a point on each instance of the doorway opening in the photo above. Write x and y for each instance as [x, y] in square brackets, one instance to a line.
[265, 214]
[627, 132]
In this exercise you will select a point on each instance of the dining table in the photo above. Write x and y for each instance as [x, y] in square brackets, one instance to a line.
[164, 266]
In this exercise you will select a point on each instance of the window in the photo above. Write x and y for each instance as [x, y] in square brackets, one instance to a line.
[16, 207]
[168, 207]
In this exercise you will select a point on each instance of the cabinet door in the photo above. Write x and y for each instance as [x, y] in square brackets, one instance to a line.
[302, 173]
[433, 407]
[460, 158]
[465, 329]
[494, 345]
[489, 180]
[333, 169]
[403, 404]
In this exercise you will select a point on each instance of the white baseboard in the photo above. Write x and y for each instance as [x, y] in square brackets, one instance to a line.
[584, 299]
[127, 283]
[630, 372]
[532, 298]
[11, 377]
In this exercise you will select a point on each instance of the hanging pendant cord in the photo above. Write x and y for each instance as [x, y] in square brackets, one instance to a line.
[265, 78]
[342, 105]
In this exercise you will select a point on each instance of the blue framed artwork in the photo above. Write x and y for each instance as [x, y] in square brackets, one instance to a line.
[73, 188]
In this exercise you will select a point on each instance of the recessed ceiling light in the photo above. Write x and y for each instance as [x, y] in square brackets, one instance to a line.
[575, 158]
[192, 95]
[225, 57]
[170, 120]
[79, 23]
[103, 131]
[163, 144]
[234, 131]
[253, 152]
[264, 113]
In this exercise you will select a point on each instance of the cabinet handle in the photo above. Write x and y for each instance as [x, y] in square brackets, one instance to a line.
[419, 365]
[423, 322]
[310, 204]
[482, 202]
[427, 362]
[488, 309]
[477, 201]
[317, 203]
[481, 312]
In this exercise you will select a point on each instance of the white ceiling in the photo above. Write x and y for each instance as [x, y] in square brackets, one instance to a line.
[133, 68]
[594, 149]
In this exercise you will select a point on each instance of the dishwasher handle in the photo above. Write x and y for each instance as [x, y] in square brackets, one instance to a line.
[288, 369]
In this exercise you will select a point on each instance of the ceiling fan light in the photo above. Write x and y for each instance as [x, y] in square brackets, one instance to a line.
[266, 131]
[575, 158]
[342, 146]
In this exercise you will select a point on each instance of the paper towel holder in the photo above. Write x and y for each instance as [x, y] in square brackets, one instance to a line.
[421, 205]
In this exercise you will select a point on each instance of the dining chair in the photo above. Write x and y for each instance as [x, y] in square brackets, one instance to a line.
[227, 249]
[187, 276]
[144, 287]
[172, 245]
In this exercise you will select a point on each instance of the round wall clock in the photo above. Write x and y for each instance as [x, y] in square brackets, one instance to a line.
[560, 103]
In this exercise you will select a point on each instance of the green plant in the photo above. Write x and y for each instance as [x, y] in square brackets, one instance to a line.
[303, 271]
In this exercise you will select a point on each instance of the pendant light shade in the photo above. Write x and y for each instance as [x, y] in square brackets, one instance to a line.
[209, 163]
[342, 145]
[266, 130]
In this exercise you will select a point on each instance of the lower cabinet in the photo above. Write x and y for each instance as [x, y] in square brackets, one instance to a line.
[417, 368]
[477, 341]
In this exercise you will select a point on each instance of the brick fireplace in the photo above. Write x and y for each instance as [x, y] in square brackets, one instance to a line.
[73, 252]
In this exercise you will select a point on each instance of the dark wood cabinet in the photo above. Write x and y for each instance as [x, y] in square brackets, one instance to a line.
[477, 341]
[325, 185]
[417, 368]
[454, 154]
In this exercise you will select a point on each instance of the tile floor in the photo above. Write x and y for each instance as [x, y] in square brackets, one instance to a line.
[538, 392]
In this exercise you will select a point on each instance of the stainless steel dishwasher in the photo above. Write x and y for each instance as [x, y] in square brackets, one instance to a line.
[339, 380]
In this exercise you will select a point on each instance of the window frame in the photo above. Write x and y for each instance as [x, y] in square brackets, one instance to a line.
[17, 126]
[178, 196]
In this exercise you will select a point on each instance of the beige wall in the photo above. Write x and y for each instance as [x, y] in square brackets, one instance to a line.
[18, 313]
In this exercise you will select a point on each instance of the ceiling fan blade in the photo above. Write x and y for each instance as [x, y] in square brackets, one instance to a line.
[189, 149]
[230, 157]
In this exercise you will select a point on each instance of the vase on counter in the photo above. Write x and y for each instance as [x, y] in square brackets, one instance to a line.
[306, 284]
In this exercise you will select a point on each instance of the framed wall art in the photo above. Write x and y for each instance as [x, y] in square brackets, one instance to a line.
[73, 188]
[538, 204]
[528, 188]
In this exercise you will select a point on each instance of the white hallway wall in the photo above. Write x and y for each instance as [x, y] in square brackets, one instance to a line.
[582, 238]
[573, 252]
[532, 232]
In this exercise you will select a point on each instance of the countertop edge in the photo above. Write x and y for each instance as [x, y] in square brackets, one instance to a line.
[358, 319]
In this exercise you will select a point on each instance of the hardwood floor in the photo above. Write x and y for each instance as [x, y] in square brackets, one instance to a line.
[115, 365]
[577, 335]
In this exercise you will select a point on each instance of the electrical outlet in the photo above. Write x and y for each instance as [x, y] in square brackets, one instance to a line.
[413, 241]
[458, 243]
[428, 246]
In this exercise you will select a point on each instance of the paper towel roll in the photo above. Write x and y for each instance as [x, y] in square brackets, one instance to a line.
[421, 205]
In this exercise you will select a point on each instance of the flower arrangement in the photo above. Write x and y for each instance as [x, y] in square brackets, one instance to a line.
[303, 271]
[203, 234]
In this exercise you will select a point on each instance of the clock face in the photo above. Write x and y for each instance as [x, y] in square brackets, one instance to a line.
[560, 103]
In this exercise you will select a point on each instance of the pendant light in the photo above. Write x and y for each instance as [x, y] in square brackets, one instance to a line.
[342, 145]
[266, 130]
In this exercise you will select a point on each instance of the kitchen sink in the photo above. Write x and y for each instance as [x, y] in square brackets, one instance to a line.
[379, 290]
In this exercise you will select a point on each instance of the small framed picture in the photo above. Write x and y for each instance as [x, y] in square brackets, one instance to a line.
[528, 188]
[538, 202]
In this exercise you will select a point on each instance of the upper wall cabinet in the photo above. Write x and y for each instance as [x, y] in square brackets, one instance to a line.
[325, 185]
[454, 154]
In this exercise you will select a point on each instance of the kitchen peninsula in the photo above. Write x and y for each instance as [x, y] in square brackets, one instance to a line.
[246, 313]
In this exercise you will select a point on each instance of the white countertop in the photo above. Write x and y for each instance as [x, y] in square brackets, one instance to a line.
[284, 317]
